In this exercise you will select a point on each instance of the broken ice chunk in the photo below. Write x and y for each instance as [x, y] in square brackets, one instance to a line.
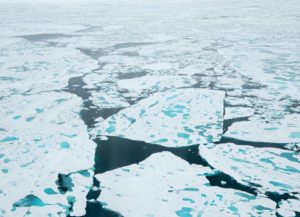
[289, 207]
[237, 101]
[108, 99]
[275, 170]
[237, 112]
[166, 185]
[94, 80]
[172, 118]
[285, 130]
[35, 152]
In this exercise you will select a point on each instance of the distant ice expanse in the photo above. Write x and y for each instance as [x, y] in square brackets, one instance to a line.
[152, 108]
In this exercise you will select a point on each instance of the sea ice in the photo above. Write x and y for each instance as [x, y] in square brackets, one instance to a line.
[42, 135]
[284, 130]
[273, 170]
[172, 118]
[237, 112]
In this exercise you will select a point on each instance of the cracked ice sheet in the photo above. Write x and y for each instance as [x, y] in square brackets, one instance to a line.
[95, 80]
[273, 169]
[33, 68]
[166, 185]
[287, 207]
[237, 112]
[107, 97]
[42, 135]
[172, 118]
[284, 130]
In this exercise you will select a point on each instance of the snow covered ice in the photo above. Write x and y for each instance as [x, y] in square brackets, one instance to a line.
[174, 108]
[171, 118]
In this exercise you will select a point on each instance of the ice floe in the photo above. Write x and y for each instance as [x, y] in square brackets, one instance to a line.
[283, 130]
[166, 185]
[108, 97]
[237, 112]
[268, 169]
[42, 136]
[172, 118]
[287, 207]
